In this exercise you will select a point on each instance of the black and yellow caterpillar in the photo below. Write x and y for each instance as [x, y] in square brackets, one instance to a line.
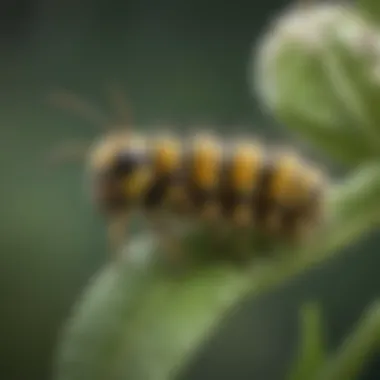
[242, 183]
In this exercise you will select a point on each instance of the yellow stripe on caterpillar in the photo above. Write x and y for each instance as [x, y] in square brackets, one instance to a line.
[247, 163]
[166, 155]
[136, 184]
[207, 155]
[284, 185]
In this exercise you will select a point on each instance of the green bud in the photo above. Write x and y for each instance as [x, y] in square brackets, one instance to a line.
[317, 68]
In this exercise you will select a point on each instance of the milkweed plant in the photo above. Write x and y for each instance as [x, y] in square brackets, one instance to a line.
[316, 69]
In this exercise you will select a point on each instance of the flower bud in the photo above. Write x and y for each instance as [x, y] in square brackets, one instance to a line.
[317, 68]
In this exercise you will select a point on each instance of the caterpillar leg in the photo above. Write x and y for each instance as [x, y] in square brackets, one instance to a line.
[116, 233]
[228, 239]
[168, 241]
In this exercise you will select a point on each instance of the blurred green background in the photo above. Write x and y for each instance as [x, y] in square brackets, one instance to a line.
[181, 63]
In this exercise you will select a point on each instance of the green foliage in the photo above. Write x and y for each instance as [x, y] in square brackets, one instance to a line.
[348, 361]
[147, 321]
[351, 357]
[311, 350]
[141, 320]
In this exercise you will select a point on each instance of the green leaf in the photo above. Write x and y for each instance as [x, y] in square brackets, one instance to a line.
[140, 321]
[137, 321]
[349, 360]
[311, 350]
[91, 340]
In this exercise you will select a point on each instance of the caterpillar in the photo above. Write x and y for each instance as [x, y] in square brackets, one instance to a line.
[242, 183]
